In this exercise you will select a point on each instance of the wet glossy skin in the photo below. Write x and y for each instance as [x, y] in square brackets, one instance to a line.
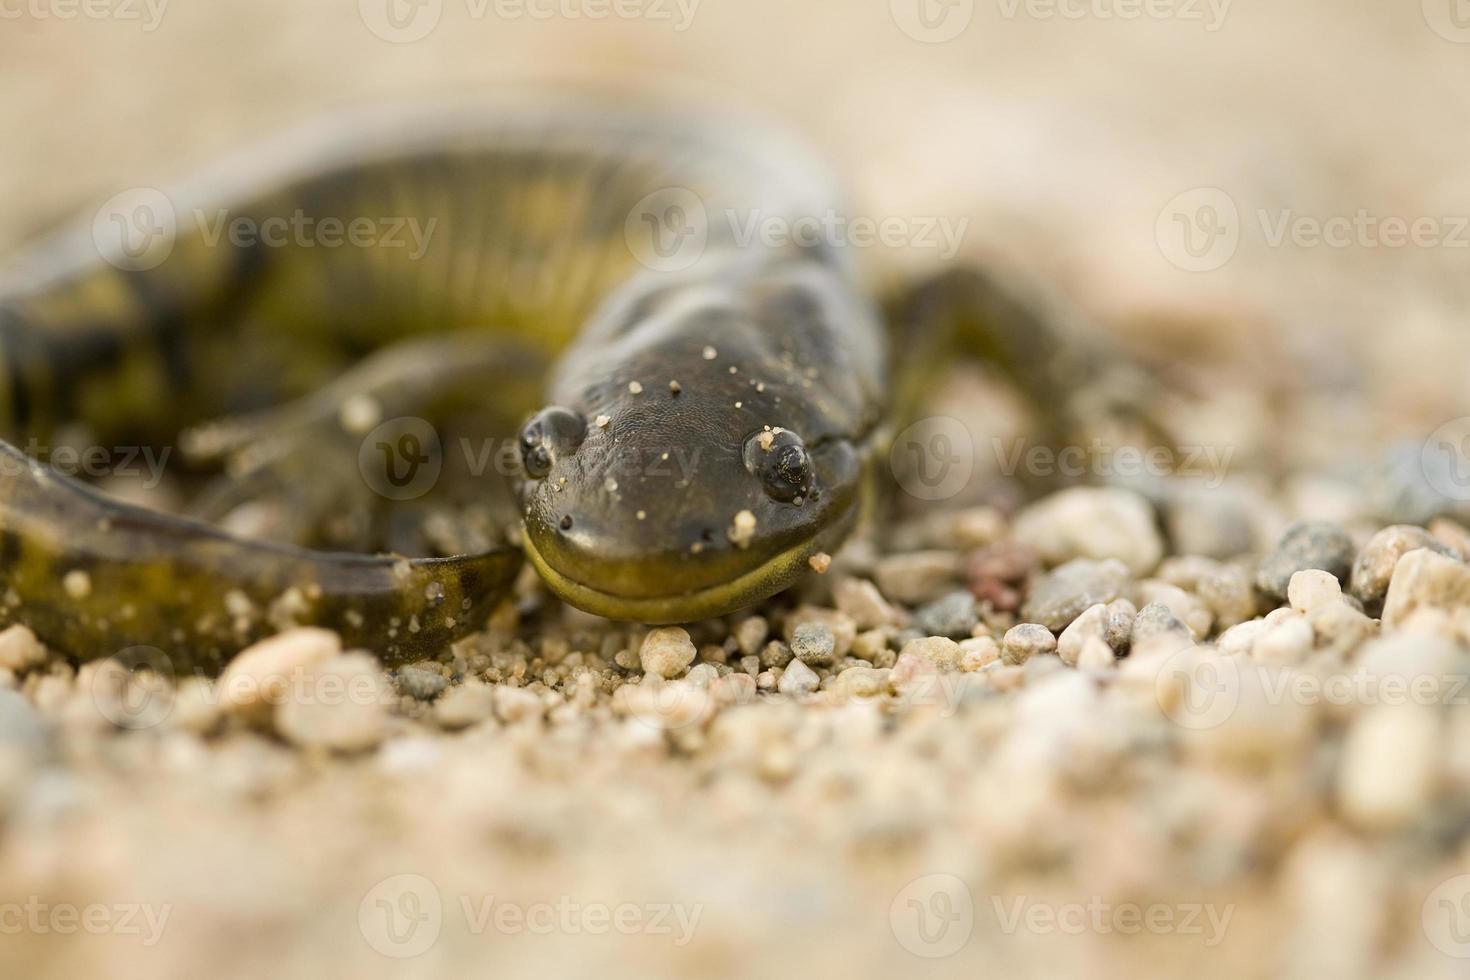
[690, 402]
[712, 425]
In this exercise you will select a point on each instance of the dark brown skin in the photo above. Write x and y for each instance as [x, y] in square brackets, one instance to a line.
[636, 504]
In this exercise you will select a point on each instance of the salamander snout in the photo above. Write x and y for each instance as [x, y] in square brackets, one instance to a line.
[551, 434]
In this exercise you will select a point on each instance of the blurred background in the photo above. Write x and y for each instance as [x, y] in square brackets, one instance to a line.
[1269, 198]
[1079, 139]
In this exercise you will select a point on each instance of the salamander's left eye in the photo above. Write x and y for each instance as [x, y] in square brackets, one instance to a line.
[551, 432]
[780, 459]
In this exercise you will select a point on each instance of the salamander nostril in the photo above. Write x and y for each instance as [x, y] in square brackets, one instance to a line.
[566, 522]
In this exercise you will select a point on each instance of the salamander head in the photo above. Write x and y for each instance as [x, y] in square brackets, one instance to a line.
[666, 503]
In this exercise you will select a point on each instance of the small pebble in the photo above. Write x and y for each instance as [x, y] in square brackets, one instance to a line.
[1311, 588]
[917, 576]
[1425, 579]
[1025, 641]
[465, 704]
[813, 644]
[20, 650]
[667, 652]
[1310, 544]
[797, 679]
[953, 616]
[339, 705]
[1096, 523]
[420, 684]
[861, 600]
[1066, 592]
[1374, 567]
[938, 650]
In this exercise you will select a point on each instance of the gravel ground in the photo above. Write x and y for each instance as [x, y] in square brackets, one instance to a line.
[1215, 722]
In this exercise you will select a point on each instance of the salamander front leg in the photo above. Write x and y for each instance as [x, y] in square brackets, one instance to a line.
[341, 467]
[1082, 386]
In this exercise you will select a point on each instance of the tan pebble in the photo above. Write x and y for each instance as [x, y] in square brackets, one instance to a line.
[1241, 638]
[861, 682]
[667, 651]
[1311, 588]
[1092, 623]
[1096, 655]
[77, 584]
[797, 679]
[751, 634]
[844, 630]
[262, 673]
[1425, 579]
[939, 650]
[1095, 523]
[1389, 766]
[742, 529]
[918, 576]
[196, 706]
[820, 562]
[513, 704]
[861, 600]
[1284, 643]
[635, 388]
[465, 704]
[978, 652]
[737, 688]
[602, 421]
[20, 649]
[1026, 640]
[340, 705]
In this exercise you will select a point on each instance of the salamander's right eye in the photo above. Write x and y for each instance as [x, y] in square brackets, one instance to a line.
[780, 459]
[552, 433]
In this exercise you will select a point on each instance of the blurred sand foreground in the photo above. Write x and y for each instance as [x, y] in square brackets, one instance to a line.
[533, 824]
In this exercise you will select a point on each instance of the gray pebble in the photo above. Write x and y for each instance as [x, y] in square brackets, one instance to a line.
[953, 616]
[775, 654]
[1156, 626]
[420, 684]
[21, 729]
[1309, 544]
[1067, 591]
[1374, 568]
[813, 643]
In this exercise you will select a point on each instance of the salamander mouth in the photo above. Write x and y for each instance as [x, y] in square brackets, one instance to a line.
[760, 582]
